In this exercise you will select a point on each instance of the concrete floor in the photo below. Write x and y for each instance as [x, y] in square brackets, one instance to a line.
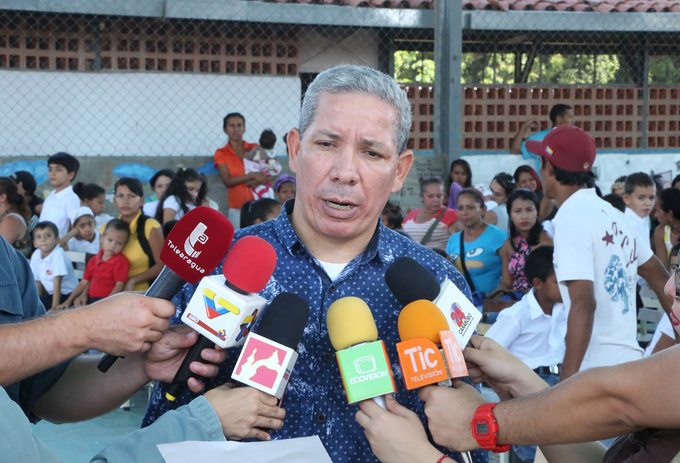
[79, 442]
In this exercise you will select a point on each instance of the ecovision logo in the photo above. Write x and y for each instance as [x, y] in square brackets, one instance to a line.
[189, 253]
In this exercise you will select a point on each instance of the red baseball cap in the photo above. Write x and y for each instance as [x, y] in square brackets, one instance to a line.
[566, 147]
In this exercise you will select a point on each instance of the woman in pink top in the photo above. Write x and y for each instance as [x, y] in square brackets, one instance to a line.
[418, 222]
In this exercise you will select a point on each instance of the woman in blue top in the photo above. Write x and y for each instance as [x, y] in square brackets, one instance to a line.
[481, 242]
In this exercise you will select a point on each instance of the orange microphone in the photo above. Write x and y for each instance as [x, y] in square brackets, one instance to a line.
[423, 329]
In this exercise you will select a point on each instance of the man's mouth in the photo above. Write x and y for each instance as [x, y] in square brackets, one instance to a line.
[339, 206]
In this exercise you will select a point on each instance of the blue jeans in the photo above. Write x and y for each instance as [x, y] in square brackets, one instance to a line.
[527, 453]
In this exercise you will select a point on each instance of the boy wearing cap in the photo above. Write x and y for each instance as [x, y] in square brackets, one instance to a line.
[598, 256]
[84, 234]
[285, 188]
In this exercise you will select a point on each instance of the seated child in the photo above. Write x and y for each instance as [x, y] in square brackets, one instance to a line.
[62, 201]
[534, 328]
[107, 272]
[94, 197]
[84, 235]
[263, 159]
[52, 269]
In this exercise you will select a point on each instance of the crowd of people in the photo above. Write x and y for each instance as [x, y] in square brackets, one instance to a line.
[122, 254]
[563, 357]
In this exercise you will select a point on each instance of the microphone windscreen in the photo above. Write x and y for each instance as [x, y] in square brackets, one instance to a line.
[350, 322]
[285, 319]
[409, 281]
[250, 264]
[197, 243]
[421, 319]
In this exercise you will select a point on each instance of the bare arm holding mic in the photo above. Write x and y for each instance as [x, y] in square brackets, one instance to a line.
[187, 257]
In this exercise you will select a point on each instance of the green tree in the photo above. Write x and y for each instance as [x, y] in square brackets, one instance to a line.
[414, 67]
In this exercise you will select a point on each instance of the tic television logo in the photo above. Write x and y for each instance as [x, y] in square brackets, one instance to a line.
[262, 363]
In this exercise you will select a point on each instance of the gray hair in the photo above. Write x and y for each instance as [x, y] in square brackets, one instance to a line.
[363, 80]
[427, 181]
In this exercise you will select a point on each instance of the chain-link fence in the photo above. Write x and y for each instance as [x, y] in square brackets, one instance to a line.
[142, 86]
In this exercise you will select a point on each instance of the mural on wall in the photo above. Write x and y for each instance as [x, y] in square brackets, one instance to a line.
[141, 172]
[208, 168]
[36, 168]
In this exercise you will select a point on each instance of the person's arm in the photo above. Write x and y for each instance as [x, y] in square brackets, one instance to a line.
[656, 276]
[659, 246]
[38, 209]
[56, 294]
[516, 145]
[579, 325]
[156, 244]
[222, 412]
[82, 392]
[510, 378]
[230, 181]
[118, 287]
[41, 288]
[76, 292]
[506, 279]
[12, 229]
[64, 240]
[120, 325]
[81, 300]
[663, 343]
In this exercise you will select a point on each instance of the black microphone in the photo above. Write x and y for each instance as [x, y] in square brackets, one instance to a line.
[268, 356]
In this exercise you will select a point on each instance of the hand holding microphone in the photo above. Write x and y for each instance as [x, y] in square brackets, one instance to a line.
[186, 256]
[225, 307]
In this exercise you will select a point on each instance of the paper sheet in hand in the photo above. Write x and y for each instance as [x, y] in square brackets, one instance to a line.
[300, 450]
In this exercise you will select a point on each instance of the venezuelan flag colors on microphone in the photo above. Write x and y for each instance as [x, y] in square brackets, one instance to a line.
[363, 361]
[192, 250]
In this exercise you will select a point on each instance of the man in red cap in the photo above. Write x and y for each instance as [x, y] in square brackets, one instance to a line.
[598, 256]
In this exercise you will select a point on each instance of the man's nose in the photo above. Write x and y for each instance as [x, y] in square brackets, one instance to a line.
[345, 166]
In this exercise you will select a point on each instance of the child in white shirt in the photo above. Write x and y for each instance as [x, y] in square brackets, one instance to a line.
[52, 269]
[640, 195]
[84, 234]
[63, 168]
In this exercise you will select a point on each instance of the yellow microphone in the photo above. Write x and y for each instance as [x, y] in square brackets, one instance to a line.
[363, 361]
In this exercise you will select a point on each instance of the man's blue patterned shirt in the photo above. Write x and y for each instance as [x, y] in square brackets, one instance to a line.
[315, 400]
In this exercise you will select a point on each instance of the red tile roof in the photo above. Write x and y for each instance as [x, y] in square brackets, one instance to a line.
[604, 6]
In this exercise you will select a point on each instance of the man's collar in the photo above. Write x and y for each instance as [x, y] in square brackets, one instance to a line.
[288, 238]
[535, 309]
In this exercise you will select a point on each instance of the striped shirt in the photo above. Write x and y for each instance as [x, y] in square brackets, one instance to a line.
[440, 235]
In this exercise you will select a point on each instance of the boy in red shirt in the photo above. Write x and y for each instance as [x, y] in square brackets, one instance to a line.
[107, 272]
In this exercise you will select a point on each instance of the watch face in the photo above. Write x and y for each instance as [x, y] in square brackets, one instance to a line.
[482, 428]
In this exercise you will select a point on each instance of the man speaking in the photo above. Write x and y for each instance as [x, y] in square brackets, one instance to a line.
[349, 154]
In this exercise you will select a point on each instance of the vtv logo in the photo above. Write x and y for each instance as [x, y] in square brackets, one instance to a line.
[197, 235]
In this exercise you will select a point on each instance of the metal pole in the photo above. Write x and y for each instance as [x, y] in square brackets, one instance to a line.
[645, 91]
[448, 89]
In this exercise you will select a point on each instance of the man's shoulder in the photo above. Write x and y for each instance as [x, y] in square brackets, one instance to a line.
[264, 230]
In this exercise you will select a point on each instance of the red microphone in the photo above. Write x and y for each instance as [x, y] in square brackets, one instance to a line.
[193, 249]
[225, 307]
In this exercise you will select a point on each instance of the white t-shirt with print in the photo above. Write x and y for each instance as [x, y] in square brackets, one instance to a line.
[172, 202]
[595, 242]
[55, 265]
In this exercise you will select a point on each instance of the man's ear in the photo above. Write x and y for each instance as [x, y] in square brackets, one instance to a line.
[403, 166]
[293, 148]
[626, 199]
[537, 283]
[71, 176]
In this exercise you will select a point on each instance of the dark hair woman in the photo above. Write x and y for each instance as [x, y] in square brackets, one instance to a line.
[460, 177]
[526, 234]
